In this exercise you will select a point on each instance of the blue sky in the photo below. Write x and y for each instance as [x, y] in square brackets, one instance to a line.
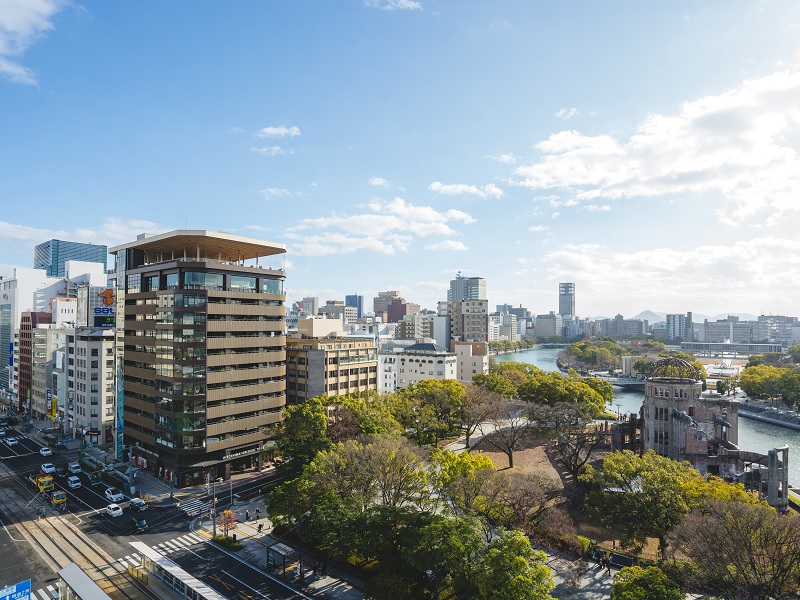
[647, 152]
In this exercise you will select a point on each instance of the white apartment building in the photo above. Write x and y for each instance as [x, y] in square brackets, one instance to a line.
[91, 383]
[471, 359]
[425, 360]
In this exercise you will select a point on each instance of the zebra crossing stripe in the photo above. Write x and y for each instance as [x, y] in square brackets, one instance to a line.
[43, 594]
[185, 540]
[53, 591]
[171, 545]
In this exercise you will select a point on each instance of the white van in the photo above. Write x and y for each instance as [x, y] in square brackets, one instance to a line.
[74, 481]
[74, 468]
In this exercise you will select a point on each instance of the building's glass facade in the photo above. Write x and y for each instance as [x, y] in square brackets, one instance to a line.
[52, 255]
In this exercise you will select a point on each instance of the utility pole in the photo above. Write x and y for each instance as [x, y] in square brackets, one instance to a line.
[213, 511]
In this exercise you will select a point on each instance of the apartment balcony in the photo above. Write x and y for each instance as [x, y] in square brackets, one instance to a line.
[140, 420]
[140, 372]
[140, 357]
[140, 388]
[248, 439]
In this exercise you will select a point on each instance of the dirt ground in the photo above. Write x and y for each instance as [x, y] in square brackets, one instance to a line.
[532, 457]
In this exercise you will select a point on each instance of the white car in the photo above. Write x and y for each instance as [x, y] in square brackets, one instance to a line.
[2, 432]
[12, 441]
[44, 451]
[114, 495]
[48, 468]
[114, 510]
[73, 481]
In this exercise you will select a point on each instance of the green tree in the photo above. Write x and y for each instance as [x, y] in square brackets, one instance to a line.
[790, 386]
[647, 495]
[761, 381]
[635, 583]
[605, 389]
[509, 569]
[642, 365]
[301, 435]
[436, 404]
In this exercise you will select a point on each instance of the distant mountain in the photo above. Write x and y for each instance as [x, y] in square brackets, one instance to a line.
[650, 316]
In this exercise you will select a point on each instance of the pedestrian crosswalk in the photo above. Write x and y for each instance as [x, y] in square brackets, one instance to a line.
[174, 545]
[48, 593]
[195, 507]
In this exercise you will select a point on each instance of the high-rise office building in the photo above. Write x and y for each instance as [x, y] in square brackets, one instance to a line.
[566, 299]
[52, 254]
[356, 301]
[202, 352]
[466, 288]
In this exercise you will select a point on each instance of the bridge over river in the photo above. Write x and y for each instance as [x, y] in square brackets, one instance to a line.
[630, 383]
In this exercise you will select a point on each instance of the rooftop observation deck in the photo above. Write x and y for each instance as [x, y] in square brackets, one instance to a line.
[197, 245]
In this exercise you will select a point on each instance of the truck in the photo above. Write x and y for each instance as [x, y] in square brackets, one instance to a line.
[43, 482]
[58, 499]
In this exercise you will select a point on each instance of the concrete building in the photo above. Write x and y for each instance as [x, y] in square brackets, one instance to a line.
[425, 360]
[566, 299]
[90, 409]
[380, 304]
[682, 422]
[202, 363]
[472, 358]
[399, 308]
[469, 320]
[549, 326]
[334, 365]
[774, 329]
[414, 327]
[621, 327]
[466, 288]
[51, 256]
[676, 327]
[728, 330]
[310, 306]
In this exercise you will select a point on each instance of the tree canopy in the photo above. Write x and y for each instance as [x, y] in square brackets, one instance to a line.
[635, 583]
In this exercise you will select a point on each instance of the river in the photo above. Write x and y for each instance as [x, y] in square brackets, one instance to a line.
[753, 435]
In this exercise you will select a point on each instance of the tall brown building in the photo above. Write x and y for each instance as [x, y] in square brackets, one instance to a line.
[203, 351]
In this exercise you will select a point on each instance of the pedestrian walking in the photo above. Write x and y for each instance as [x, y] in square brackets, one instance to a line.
[247, 515]
[260, 527]
[608, 566]
[258, 513]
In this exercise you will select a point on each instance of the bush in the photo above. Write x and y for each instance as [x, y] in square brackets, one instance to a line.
[586, 545]
[228, 543]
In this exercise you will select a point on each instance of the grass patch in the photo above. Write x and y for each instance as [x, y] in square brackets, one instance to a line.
[228, 543]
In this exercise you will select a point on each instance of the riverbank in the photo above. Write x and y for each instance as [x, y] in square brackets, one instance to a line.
[769, 414]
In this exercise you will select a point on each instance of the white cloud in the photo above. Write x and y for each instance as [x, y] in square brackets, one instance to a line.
[568, 113]
[597, 207]
[378, 182]
[388, 228]
[506, 158]
[111, 232]
[447, 245]
[490, 190]
[394, 4]
[538, 228]
[22, 23]
[276, 193]
[278, 132]
[268, 150]
[741, 144]
[753, 273]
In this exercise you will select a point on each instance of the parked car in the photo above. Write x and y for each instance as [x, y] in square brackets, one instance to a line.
[45, 451]
[138, 524]
[138, 504]
[114, 510]
[48, 468]
[114, 494]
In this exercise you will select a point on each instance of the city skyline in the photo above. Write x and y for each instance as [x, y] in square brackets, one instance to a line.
[649, 154]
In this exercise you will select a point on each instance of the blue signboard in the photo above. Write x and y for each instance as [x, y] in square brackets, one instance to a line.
[11, 354]
[19, 591]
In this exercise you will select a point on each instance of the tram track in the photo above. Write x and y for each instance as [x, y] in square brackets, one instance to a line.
[60, 543]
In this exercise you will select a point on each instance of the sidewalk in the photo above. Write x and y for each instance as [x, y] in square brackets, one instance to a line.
[575, 578]
[335, 585]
